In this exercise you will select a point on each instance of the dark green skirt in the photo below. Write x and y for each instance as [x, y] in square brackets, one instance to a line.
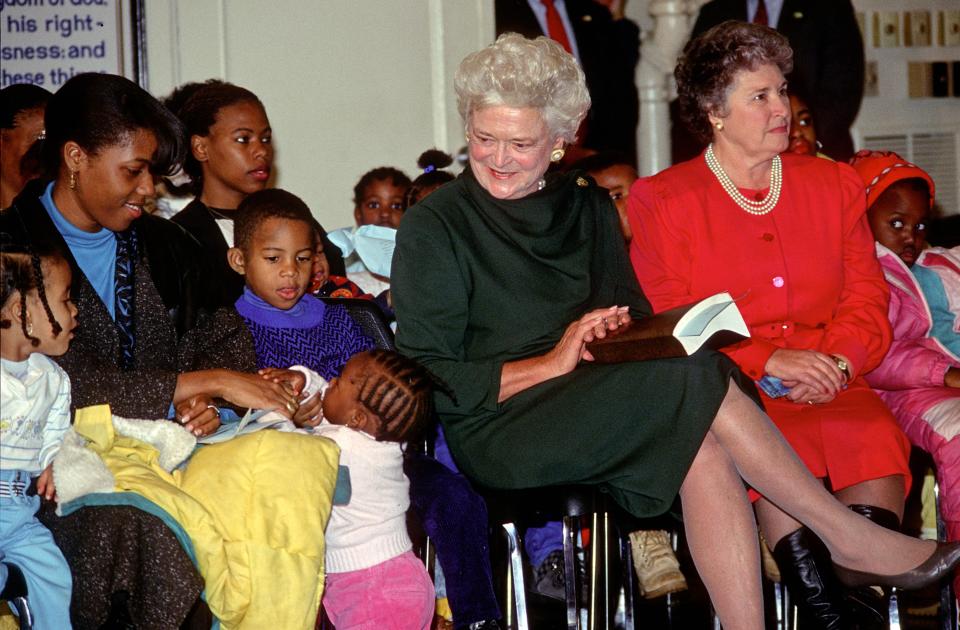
[631, 428]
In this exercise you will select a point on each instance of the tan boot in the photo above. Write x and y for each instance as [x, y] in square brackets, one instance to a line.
[770, 569]
[657, 568]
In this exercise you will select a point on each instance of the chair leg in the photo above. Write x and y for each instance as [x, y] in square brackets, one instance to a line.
[626, 564]
[571, 530]
[515, 581]
[607, 576]
[598, 612]
[670, 601]
[948, 599]
[22, 607]
[778, 605]
[894, 610]
[596, 539]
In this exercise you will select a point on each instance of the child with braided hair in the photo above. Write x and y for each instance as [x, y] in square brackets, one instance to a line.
[37, 319]
[381, 400]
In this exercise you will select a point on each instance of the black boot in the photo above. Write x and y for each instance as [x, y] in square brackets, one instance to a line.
[808, 573]
[880, 516]
[869, 607]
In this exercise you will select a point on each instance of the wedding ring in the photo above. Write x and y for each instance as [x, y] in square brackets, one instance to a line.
[215, 409]
[292, 406]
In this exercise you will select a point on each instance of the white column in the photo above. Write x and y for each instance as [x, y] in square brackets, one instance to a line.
[658, 56]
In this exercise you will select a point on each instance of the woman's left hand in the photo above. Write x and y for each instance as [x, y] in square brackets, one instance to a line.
[563, 358]
[198, 415]
[805, 394]
[572, 347]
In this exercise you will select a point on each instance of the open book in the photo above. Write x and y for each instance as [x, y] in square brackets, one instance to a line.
[713, 322]
[250, 422]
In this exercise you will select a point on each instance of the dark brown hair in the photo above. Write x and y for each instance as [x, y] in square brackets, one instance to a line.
[103, 110]
[399, 391]
[197, 106]
[432, 162]
[381, 173]
[272, 203]
[708, 66]
[21, 271]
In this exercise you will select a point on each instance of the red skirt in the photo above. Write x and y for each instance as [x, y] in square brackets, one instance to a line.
[852, 438]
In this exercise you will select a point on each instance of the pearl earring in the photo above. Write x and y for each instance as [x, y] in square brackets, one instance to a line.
[556, 155]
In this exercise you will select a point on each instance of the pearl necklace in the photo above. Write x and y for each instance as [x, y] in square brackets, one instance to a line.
[749, 205]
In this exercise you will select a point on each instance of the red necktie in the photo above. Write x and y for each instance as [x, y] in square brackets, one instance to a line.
[760, 17]
[555, 28]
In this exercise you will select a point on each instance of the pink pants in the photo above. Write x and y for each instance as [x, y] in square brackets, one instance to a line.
[393, 595]
[931, 419]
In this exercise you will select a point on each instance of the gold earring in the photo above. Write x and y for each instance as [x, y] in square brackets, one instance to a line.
[73, 180]
[556, 155]
[718, 125]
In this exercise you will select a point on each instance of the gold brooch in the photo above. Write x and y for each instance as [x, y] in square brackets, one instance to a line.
[581, 182]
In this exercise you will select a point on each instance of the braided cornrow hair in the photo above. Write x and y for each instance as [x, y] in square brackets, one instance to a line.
[21, 271]
[400, 392]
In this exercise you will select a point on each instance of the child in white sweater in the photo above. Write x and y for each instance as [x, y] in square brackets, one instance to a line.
[380, 400]
[37, 318]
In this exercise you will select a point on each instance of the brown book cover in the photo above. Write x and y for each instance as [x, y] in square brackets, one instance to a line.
[714, 322]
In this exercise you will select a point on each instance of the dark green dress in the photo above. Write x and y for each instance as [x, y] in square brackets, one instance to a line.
[479, 281]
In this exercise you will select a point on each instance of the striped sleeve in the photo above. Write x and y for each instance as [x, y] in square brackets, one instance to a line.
[58, 420]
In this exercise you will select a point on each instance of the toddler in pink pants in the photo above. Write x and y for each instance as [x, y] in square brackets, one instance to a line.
[380, 400]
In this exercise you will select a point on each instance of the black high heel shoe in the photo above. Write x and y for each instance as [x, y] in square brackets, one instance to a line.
[938, 566]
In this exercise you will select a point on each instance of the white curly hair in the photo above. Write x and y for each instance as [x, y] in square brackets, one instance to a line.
[518, 72]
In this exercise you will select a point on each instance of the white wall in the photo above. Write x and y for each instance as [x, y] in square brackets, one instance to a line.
[348, 84]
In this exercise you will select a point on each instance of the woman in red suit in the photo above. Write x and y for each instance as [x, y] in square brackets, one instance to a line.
[787, 236]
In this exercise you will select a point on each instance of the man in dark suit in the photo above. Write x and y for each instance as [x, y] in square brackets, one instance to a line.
[828, 59]
[608, 49]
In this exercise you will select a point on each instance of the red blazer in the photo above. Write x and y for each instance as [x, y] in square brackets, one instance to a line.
[805, 275]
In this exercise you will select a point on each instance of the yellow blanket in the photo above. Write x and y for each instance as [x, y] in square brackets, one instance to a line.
[255, 508]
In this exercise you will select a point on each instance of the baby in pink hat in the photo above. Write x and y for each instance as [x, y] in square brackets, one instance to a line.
[920, 376]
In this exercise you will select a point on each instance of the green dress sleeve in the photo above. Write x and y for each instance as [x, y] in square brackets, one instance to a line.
[430, 297]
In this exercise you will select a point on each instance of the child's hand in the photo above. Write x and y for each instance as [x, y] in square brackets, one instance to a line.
[291, 379]
[198, 415]
[309, 413]
[952, 377]
[45, 487]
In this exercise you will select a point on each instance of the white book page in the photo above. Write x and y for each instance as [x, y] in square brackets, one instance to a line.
[695, 321]
[716, 313]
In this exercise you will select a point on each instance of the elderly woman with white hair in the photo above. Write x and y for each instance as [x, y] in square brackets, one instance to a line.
[501, 278]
